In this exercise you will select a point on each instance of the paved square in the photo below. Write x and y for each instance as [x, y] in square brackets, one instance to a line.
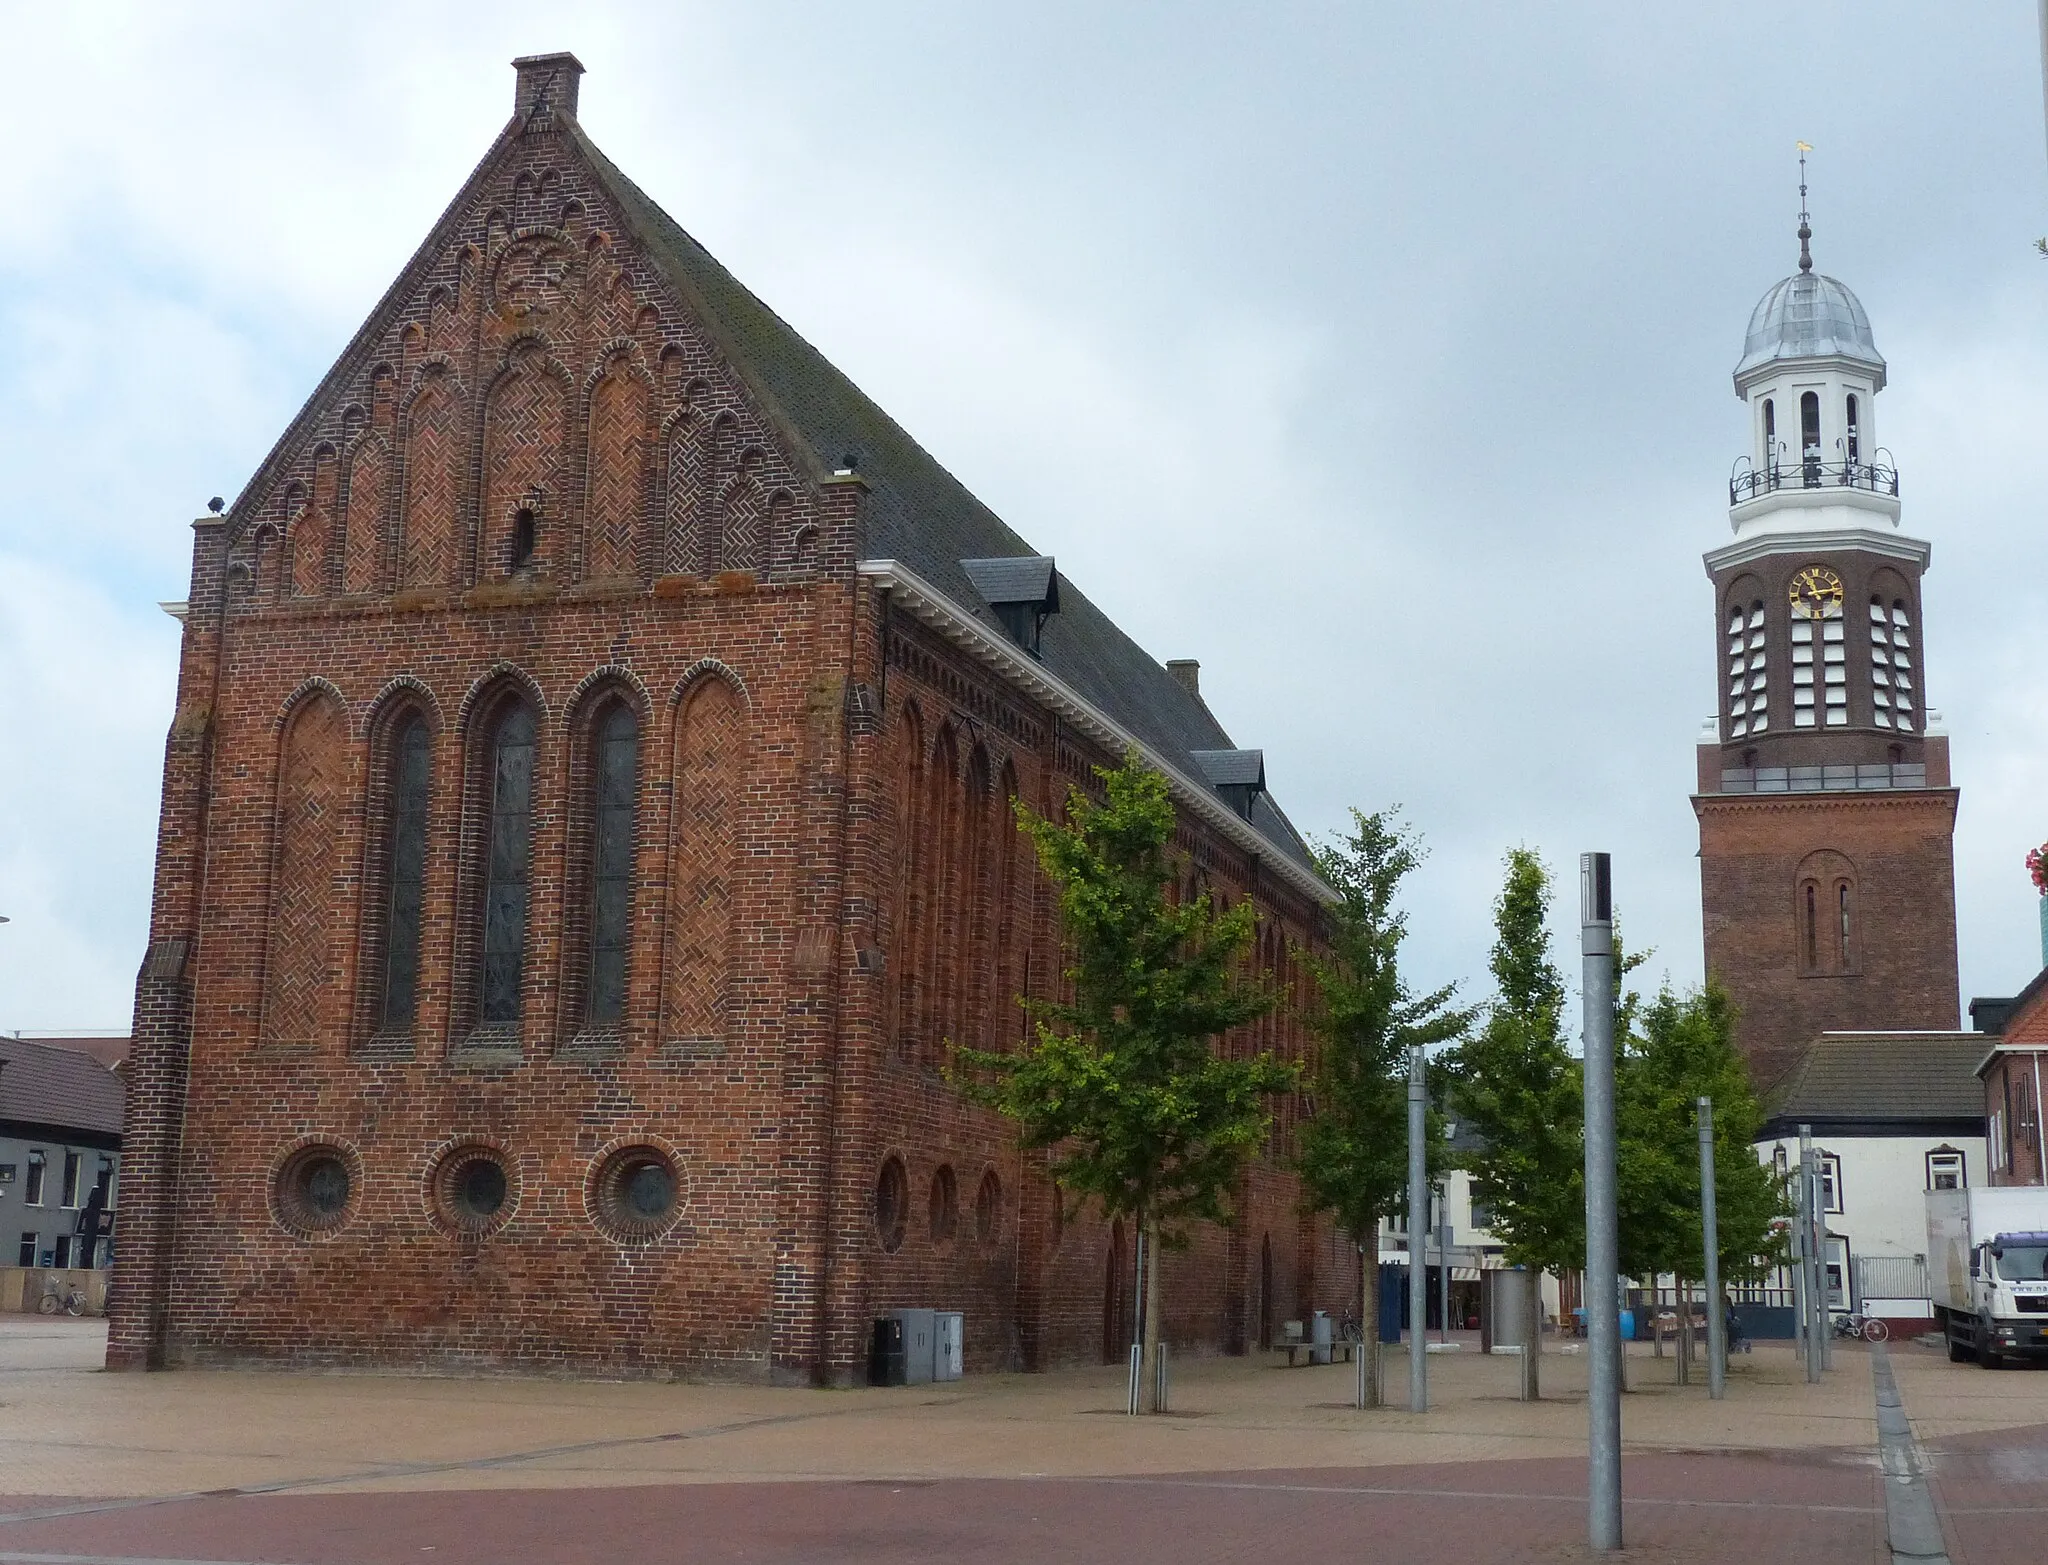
[1256, 1461]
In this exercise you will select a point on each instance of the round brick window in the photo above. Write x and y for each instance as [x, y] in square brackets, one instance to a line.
[988, 1210]
[945, 1205]
[313, 1188]
[892, 1203]
[473, 1190]
[635, 1193]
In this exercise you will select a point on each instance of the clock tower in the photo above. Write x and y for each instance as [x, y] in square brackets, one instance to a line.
[1827, 874]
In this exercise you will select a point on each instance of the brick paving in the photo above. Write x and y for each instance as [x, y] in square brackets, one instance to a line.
[363, 1470]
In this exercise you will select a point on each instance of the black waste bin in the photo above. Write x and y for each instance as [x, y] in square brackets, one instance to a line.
[888, 1365]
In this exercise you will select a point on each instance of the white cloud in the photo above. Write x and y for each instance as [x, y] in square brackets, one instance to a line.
[1375, 356]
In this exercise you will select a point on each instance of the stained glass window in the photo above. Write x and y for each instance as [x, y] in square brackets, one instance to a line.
[505, 873]
[611, 863]
[407, 871]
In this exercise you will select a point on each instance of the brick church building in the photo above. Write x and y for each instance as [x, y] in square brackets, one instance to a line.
[1826, 813]
[587, 825]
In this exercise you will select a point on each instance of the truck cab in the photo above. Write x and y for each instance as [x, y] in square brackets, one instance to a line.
[2008, 1313]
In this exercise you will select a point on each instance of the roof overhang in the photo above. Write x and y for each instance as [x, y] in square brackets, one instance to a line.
[933, 608]
[1787, 536]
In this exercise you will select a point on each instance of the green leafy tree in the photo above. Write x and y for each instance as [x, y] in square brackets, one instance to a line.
[1353, 1155]
[1682, 1047]
[1121, 1085]
[1518, 1087]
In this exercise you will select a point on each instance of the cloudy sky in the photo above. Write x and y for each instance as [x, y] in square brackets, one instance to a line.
[1376, 355]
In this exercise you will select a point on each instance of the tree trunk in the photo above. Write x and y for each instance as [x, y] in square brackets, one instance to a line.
[1148, 1361]
[1369, 1318]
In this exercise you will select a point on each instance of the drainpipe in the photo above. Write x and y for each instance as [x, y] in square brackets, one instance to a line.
[2040, 1162]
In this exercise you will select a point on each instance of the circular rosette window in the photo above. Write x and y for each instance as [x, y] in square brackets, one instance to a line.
[471, 1189]
[313, 1191]
[636, 1193]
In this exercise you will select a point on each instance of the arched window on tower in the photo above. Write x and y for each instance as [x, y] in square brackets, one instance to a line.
[1770, 436]
[1891, 665]
[1809, 929]
[1809, 438]
[615, 770]
[1854, 441]
[1748, 678]
[1843, 950]
[510, 853]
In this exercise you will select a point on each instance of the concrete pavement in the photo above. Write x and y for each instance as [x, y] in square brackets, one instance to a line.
[321, 1469]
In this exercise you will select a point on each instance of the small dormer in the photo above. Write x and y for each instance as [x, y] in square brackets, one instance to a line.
[1238, 775]
[1024, 591]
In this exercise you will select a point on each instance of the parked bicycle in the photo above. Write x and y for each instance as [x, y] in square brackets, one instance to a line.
[57, 1296]
[1868, 1327]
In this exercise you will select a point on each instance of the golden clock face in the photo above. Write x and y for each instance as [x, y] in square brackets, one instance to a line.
[1816, 593]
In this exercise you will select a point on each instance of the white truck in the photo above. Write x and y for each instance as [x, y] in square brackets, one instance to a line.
[1987, 1269]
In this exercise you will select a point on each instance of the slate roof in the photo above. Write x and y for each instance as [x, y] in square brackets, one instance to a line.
[1875, 1079]
[1020, 578]
[916, 512]
[66, 1089]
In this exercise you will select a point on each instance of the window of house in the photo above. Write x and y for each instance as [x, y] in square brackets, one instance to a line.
[616, 773]
[1946, 1170]
[1809, 438]
[1843, 950]
[1810, 928]
[1853, 433]
[505, 872]
[38, 1169]
[1830, 1171]
[1771, 433]
[63, 1251]
[406, 874]
[1994, 1134]
[26, 1256]
[72, 1163]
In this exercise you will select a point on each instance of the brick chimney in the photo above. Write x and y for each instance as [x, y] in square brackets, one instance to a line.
[1188, 672]
[547, 87]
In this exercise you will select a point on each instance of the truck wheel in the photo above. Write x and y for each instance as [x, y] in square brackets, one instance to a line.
[1987, 1355]
[1958, 1352]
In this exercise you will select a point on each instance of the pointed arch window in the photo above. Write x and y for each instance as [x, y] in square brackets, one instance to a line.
[507, 867]
[405, 872]
[614, 776]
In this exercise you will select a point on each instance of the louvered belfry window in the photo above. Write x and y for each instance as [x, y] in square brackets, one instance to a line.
[611, 863]
[406, 874]
[505, 876]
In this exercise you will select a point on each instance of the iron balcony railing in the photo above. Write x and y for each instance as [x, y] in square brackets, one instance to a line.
[1747, 482]
[1823, 779]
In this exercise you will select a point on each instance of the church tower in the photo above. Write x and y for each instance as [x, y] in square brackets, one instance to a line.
[1827, 874]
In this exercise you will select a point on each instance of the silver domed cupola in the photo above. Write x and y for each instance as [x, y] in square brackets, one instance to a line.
[1809, 316]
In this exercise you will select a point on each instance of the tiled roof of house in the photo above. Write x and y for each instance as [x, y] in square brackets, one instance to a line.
[1874, 1077]
[67, 1089]
[916, 511]
[2027, 1021]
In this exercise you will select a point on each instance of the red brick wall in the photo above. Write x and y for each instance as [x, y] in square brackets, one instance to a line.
[827, 894]
[1893, 849]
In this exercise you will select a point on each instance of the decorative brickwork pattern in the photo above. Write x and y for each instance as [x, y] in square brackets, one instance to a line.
[710, 774]
[313, 534]
[433, 479]
[618, 470]
[301, 988]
